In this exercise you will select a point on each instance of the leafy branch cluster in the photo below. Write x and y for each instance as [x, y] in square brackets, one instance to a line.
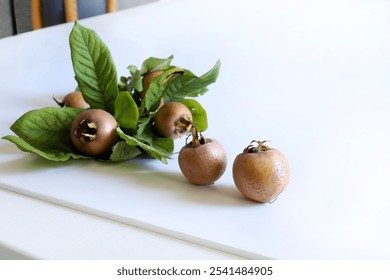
[46, 131]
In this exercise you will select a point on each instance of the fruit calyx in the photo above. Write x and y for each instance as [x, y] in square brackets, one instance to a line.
[59, 103]
[261, 147]
[86, 131]
[197, 138]
[182, 125]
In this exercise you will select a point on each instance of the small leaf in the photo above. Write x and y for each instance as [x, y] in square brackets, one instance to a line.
[94, 68]
[50, 154]
[126, 111]
[136, 78]
[154, 64]
[199, 114]
[123, 151]
[145, 129]
[161, 151]
[152, 97]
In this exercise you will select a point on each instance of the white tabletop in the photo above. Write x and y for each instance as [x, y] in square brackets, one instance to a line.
[311, 76]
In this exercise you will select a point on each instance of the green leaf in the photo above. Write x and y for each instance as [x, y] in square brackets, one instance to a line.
[199, 114]
[154, 64]
[126, 111]
[188, 85]
[179, 88]
[152, 97]
[50, 154]
[161, 150]
[165, 145]
[123, 151]
[145, 131]
[47, 129]
[94, 68]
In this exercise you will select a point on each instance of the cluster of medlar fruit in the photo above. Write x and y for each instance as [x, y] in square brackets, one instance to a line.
[260, 173]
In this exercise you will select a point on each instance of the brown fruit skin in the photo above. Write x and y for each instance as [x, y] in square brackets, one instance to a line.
[173, 120]
[75, 100]
[203, 165]
[105, 134]
[261, 176]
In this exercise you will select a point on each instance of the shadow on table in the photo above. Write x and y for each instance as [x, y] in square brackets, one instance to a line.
[142, 172]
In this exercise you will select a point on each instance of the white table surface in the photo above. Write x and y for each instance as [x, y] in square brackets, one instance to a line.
[311, 76]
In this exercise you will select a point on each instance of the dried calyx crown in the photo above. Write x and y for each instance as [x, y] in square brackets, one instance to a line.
[182, 125]
[87, 131]
[260, 146]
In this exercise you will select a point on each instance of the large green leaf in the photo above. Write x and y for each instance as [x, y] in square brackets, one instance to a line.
[50, 154]
[47, 129]
[189, 85]
[94, 68]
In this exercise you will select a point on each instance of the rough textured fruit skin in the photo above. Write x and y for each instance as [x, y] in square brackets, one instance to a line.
[167, 117]
[204, 164]
[106, 135]
[261, 176]
[75, 100]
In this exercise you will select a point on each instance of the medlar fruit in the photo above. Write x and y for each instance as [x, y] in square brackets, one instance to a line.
[261, 173]
[202, 161]
[93, 132]
[173, 120]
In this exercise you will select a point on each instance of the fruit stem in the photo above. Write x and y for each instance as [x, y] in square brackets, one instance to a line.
[196, 140]
[59, 103]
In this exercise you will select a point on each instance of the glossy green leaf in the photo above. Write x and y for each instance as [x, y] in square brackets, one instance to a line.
[126, 111]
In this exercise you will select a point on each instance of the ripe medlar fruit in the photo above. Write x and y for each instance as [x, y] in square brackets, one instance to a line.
[173, 120]
[202, 161]
[93, 132]
[261, 173]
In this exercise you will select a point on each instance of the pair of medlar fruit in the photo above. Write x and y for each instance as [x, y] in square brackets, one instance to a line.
[260, 173]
